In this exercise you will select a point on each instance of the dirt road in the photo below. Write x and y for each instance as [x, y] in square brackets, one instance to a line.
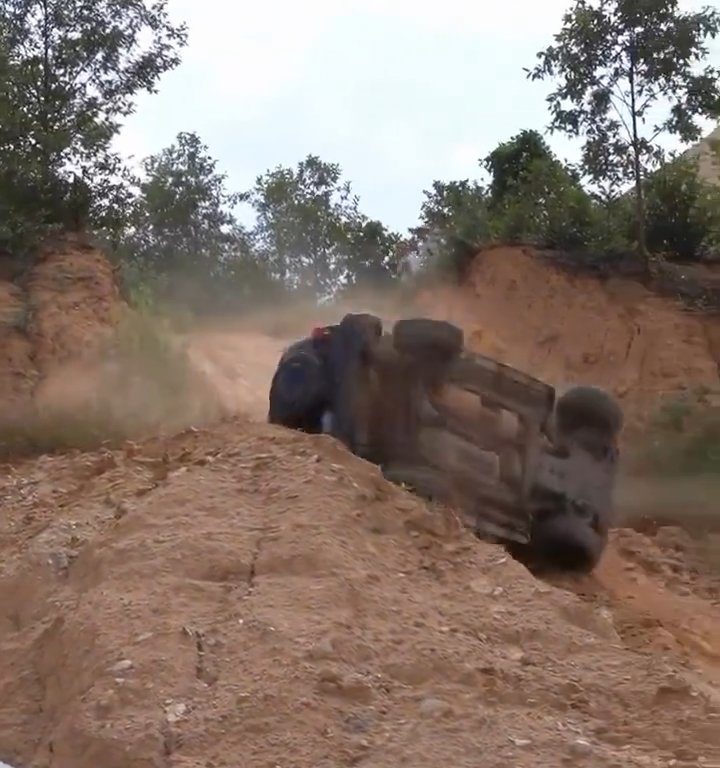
[239, 365]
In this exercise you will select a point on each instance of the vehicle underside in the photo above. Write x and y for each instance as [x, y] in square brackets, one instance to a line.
[522, 466]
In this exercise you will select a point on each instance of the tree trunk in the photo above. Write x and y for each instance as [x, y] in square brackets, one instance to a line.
[640, 224]
[640, 212]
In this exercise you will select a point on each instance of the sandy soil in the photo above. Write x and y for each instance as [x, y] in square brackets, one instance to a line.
[238, 595]
[573, 329]
[246, 597]
[59, 315]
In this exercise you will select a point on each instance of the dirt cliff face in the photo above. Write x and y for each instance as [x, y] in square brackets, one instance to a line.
[18, 374]
[571, 329]
[78, 366]
[59, 312]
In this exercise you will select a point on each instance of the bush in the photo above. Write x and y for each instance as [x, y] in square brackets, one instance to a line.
[547, 207]
[683, 213]
[445, 255]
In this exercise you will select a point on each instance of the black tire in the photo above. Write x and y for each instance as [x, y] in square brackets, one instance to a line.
[369, 325]
[588, 408]
[384, 353]
[365, 330]
[420, 337]
[566, 543]
[423, 481]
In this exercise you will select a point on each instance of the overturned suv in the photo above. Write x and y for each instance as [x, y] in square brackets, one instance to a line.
[522, 466]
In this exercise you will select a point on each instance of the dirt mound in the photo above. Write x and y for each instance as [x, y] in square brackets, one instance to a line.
[574, 329]
[61, 311]
[245, 596]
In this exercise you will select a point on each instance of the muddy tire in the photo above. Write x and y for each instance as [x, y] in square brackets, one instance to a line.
[368, 325]
[567, 544]
[562, 544]
[420, 337]
[424, 481]
[588, 408]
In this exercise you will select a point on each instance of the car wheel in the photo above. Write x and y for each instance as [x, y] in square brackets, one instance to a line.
[422, 336]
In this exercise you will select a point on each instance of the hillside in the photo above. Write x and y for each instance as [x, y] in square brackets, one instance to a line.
[242, 596]
[238, 595]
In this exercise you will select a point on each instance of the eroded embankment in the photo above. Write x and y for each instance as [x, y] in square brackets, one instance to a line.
[59, 312]
[574, 329]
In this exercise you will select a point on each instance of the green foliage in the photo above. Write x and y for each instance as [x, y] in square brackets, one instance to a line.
[182, 218]
[535, 198]
[619, 62]
[454, 223]
[310, 233]
[371, 254]
[70, 71]
[511, 162]
[183, 243]
[683, 212]
[184, 246]
[547, 207]
[301, 218]
[457, 208]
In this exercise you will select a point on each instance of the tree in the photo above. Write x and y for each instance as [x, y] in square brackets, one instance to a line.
[683, 212]
[619, 62]
[372, 254]
[183, 231]
[183, 218]
[304, 219]
[453, 225]
[546, 205]
[457, 209]
[535, 197]
[512, 160]
[71, 71]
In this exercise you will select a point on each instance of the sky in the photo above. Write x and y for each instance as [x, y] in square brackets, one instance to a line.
[398, 92]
